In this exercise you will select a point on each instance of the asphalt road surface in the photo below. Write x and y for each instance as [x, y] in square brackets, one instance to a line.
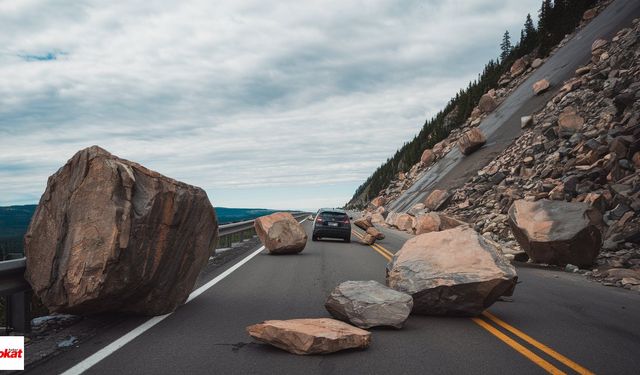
[556, 323]
[503, 125]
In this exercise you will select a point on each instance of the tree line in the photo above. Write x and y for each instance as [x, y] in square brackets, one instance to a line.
[555, 20]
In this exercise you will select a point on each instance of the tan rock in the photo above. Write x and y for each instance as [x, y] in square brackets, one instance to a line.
[363, 223]
[427, 223]
[375, 233]
[368, 239]
[391, 219]
[583, 70]
[427, 157]
[454, 272]
[557, 232]
[636, 159]
[110, 235]
[310, 336]
[526, 121]
[405, 222]
[541, 86]
[471, 141]
[518, 67]
[436, 199]
[537, 63]
[440, 147]
[281, 233]
[377, 219]
[569, 121]
[378, 201]
[487, 103]
[589, 14]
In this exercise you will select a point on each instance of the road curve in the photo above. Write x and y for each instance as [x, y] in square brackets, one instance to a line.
[593, 326]
[502, 126]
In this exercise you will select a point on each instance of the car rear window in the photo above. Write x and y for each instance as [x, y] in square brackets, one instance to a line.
[333, 216]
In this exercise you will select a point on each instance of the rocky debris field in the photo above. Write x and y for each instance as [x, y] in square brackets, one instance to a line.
[583, 149]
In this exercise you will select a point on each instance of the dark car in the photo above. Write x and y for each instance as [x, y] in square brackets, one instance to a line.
[331, 223]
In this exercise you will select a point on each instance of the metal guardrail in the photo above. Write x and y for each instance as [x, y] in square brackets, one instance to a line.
[17, 291]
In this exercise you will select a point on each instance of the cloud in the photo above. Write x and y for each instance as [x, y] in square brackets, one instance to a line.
[250, 95]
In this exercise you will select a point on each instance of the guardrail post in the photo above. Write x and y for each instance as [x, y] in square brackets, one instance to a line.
[19, 312]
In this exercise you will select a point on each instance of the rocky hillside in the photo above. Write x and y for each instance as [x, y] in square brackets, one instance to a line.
[582, 148]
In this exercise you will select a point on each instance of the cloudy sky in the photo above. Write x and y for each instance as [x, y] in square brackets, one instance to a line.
[288, 104]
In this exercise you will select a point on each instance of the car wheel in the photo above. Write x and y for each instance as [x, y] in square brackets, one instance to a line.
[347, 239]
[314, 238]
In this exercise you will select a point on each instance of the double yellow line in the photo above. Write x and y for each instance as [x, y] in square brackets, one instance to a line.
[529, 354]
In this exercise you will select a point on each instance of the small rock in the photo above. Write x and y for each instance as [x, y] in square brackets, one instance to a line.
[541, 86]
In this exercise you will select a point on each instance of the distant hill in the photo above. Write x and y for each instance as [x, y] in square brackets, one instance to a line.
[14, 221]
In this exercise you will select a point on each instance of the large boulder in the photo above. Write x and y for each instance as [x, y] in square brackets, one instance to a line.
[281, 233]
[557, 232]
[310, 336]
[378, 202]
[518, 67]
[375, 233]
[452, 272]
[367, 304]
[377, 218]
[427, 223]
[471, 141]
[569, 122]
[487, 103]
[391, 218]
[110, 235]
[405, 222]
[437, 199]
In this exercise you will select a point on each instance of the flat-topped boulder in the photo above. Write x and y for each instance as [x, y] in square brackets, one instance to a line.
[452, 272]
[541, 86]
[437, 199]
[367, 304]
[363, 223]
[310, 336]
[280, 233]
[110, 235]
[557, 232]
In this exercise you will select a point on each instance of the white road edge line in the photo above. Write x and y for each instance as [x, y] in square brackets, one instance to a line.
[103, 353]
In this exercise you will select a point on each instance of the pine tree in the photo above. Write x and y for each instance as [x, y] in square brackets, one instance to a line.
[505, 46]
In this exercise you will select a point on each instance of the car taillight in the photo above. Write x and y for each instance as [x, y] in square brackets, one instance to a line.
[346, 221]
[319, 219]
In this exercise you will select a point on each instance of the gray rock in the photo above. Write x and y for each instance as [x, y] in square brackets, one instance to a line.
[369, 304]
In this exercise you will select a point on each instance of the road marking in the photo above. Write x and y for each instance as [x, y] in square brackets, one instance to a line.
[103, 353]
[519, 348]
[552, 353]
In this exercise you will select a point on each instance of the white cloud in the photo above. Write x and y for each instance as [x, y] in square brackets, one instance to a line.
[233, 94]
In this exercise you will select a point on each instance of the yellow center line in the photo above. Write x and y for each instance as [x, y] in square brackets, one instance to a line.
[552, 353]
[506, 339]
[548, 367]
[379, 251]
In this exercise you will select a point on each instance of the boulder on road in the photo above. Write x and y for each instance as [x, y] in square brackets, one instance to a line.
[367, 304]
[405, 222]
[557, 232]
[391, 218]
[110, 235]
[537, 63]
[471, 141]
[310, 336]
[541, 86]
[375, 233]
[452, 272]
[363, 223]
[378, 202]
[427, 223]
[377, 218]
[436, 199]
[368, 239]
[281, 233]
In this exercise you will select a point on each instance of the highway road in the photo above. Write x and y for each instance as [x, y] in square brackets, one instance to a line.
[502, 126]
[556, 322]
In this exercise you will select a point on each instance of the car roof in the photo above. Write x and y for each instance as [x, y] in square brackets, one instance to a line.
[338, 210]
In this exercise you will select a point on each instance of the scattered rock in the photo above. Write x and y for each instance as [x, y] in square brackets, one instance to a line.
[526, 121]
[367, 304]
[427, 223]
[368, 239]
[487, 103]
[363, 223]
[556, 232]
[537, 63]
[405, 222]
[464, 284]
[126, 238]
[541, 86]
[375, 233]
[310, 336]
[471, 141]
[280, 233]
[427, 157]
[518, 67]
[437, 199]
